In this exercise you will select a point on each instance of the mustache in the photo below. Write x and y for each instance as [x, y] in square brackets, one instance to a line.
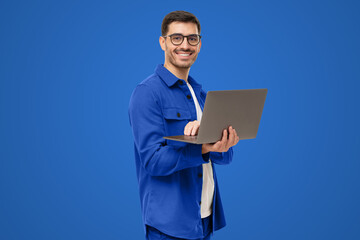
[184, 50]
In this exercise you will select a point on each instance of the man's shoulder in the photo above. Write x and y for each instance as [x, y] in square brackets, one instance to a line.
[151, 80]
[152, 85]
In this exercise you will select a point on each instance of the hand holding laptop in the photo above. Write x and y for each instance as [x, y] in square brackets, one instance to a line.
[228, 140]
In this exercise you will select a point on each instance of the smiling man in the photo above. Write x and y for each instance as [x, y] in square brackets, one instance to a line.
[179, 193]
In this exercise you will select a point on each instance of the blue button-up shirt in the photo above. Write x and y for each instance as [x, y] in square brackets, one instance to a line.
[170, 172]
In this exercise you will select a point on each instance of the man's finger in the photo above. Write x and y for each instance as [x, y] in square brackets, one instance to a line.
[236, 137]
[231, 139]
[194, 130]
[225, 136]
[224, 139]
[187, 129]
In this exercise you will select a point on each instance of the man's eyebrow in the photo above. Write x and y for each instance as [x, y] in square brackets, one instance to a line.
[183, 34]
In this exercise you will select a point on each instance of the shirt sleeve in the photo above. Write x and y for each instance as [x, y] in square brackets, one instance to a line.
[147, 122]
[222, 158]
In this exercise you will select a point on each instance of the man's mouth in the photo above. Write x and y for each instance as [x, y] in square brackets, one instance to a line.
[184, 54]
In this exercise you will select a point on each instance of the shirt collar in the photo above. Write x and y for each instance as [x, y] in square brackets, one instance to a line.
[194, 84]
[170, 79]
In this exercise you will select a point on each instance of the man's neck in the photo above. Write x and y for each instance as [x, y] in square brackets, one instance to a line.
[181, 73]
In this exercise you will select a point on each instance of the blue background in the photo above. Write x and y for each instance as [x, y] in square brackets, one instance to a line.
[68, 68]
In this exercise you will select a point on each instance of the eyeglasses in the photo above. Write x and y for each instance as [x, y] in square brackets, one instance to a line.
[177, 39]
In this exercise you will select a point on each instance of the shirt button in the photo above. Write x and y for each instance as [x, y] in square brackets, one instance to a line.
[200, 202]
[178, 114]
[188, 97]
[200, 175]
[181, 82]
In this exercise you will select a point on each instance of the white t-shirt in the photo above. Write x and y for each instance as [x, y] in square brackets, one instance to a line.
[207, 192]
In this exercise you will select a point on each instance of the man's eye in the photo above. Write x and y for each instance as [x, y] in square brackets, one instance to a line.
[177, 38]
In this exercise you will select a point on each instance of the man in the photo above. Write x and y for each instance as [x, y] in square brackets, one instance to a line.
[177, 181]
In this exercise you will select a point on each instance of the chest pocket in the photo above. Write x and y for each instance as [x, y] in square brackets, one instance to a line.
[176, 120]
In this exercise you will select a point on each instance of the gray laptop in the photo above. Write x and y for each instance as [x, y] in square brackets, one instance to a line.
[240, 109]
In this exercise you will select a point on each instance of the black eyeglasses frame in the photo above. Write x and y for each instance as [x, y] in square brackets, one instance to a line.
[183, 37]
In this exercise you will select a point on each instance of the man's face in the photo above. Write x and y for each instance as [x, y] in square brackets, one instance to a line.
[183, 55]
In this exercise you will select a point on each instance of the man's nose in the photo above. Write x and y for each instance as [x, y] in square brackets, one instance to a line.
[185, 44]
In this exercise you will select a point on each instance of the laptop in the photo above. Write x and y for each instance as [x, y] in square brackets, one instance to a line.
[241, 109]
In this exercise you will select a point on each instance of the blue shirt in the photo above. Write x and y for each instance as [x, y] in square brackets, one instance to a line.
[169, 172]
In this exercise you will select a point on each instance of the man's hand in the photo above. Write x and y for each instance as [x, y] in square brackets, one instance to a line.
[192, 128]
[227, 141]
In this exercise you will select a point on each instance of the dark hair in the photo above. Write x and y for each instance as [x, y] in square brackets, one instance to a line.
[178, 16]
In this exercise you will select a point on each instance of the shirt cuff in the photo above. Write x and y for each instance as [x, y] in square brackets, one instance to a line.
[206, 156]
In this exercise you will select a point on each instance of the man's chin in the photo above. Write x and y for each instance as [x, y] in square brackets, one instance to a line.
[184, 65]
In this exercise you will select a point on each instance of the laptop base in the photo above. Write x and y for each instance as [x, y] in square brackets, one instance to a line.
[183, 138]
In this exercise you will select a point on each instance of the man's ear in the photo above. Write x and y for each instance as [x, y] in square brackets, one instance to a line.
[200, 45]
[162, 42]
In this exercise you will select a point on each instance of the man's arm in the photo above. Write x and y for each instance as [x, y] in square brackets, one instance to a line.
[147, 122]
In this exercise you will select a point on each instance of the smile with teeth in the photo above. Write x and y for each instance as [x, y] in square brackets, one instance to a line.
[183, 54]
